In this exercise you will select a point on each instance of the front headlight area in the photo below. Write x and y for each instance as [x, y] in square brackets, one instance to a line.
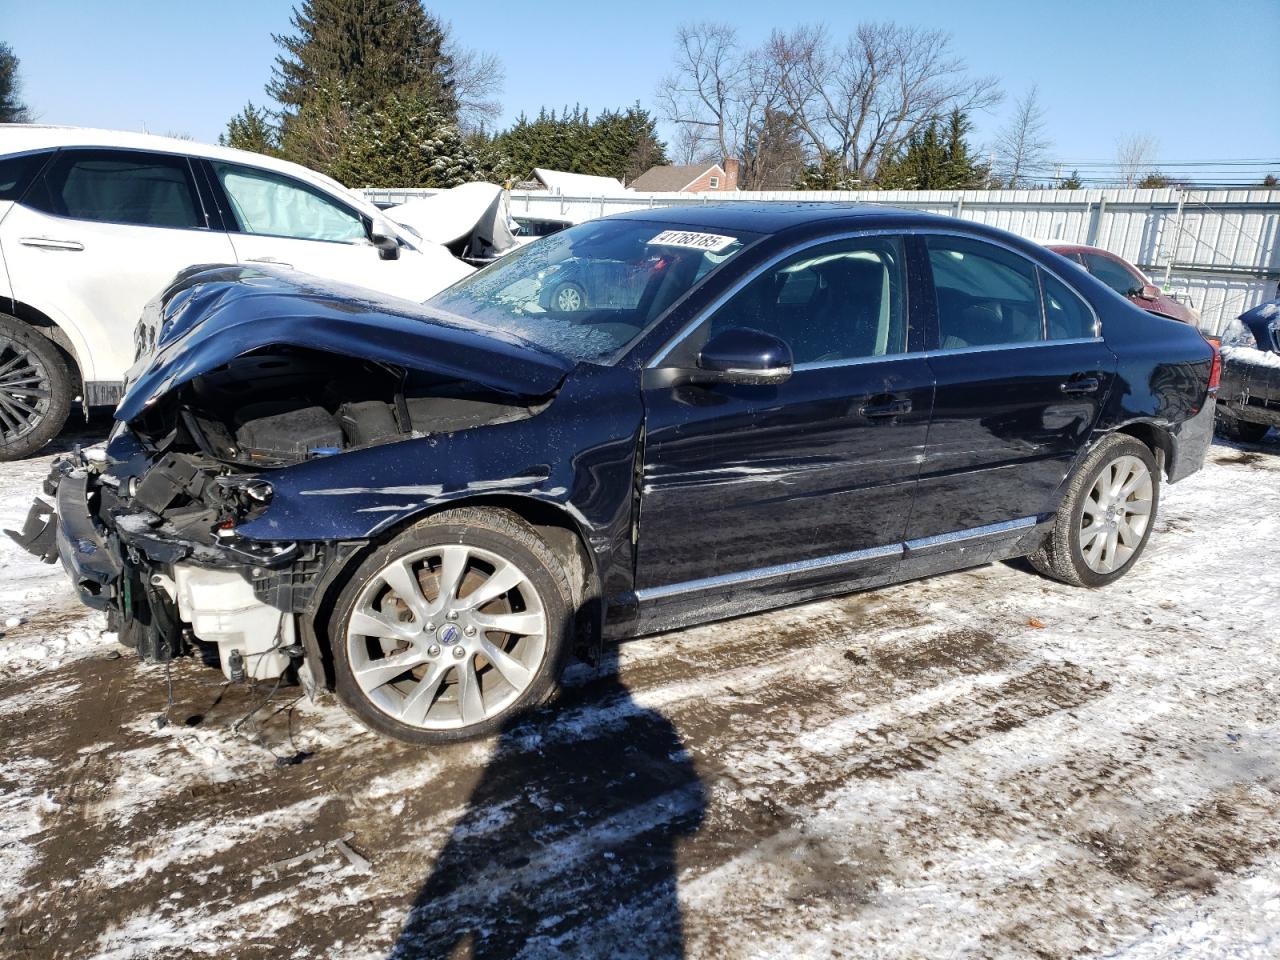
[1237, 334]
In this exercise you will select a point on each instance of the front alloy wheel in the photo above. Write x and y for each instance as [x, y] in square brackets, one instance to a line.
[452, 628]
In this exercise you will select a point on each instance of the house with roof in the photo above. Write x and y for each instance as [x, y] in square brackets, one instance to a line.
[691, 178]
[572, 184]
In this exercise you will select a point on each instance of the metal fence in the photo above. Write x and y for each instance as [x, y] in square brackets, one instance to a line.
[1218, 250]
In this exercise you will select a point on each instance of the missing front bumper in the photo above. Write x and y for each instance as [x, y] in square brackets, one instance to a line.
[238, 597]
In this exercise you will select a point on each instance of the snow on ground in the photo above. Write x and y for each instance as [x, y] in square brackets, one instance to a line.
[986, 764]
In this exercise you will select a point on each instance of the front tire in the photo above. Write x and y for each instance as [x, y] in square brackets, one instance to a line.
[1106, 516]
[35, 390]
[569, 298]
[452, 628]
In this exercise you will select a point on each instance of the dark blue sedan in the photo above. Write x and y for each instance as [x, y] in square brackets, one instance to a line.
[428, 508]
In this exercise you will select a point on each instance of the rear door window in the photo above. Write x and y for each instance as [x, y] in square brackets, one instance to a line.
[17, 172]
[987, 296]
[1114, 275]
[120, 186]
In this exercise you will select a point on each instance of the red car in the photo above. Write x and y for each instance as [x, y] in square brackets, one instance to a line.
[1127, 280]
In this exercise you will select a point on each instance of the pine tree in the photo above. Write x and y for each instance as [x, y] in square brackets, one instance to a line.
[252, 129]
[12, 109]
[1072, 182]
[935, 158]
[405, 141]
[617, 143]
[373, 48]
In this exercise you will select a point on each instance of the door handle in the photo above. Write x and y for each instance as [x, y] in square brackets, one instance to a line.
[1081, 385]
[271, 260]
[893, 408]
[48, 243]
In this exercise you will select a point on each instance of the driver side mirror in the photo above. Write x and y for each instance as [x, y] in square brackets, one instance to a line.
[1148, 291]
[743, 355]
[384, 238]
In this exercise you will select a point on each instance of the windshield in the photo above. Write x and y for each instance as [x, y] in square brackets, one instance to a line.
[587, 292]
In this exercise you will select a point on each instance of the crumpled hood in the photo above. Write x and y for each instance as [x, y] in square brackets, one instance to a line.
[211, 315]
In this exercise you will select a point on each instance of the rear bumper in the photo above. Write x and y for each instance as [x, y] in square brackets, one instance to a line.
[1250, 387]
[1191, 441]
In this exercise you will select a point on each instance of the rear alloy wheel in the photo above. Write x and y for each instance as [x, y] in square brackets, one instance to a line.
[1116, 514]
[453, 628]
[1106, 516]
[35, 390]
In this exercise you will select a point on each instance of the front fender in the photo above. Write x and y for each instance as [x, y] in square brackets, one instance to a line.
[578, 453]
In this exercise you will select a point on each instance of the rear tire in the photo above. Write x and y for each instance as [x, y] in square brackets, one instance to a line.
[1243, 431]
[1106, 516]
[36, 388]
[477, 611]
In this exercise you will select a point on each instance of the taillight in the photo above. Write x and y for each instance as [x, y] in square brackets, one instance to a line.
[1215, 368]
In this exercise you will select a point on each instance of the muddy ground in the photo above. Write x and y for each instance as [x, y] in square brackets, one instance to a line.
[985, 764]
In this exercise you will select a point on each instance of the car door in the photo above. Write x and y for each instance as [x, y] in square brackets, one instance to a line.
[1021, 374]
[808, 479]
[283, 221]
[97, 235]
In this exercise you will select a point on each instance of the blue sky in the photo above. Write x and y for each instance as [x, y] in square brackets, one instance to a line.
[1203, 78]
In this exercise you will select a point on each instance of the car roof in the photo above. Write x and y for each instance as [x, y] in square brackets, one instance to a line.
[25, 137]
[775, 217]
[1059, 247]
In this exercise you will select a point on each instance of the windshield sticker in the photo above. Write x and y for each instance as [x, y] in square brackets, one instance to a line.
[711, 242]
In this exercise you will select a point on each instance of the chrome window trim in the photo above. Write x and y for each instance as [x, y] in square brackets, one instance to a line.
[708, 311]
[959, 351]
[833, 560]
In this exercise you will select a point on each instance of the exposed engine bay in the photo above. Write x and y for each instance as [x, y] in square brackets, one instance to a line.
[280, 406]
[184, 475]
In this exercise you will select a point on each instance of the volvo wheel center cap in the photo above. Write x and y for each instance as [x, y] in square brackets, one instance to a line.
[448, 634]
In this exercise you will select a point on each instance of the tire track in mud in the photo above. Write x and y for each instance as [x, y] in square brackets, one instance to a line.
[153, 827]
[902, 696]
[937, 830]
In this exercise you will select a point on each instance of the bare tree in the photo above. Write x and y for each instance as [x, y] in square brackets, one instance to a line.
[1022, 147]
[705, 92]
[478, 79]
[691, 145]
[859, 101]
[1135, 155]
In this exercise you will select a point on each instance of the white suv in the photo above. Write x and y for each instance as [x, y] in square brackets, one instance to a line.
[95, 223]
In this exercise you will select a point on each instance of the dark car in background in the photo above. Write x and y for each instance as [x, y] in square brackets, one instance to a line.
[1127, 280]
[1249, 400]
[425, 508]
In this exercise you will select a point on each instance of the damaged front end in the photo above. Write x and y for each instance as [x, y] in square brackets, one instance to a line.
[253, 376]
[152, 542]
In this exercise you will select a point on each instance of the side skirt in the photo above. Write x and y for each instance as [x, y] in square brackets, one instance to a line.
[678, 605]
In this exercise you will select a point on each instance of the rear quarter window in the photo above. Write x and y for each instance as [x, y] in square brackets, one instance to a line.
[16, 173]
